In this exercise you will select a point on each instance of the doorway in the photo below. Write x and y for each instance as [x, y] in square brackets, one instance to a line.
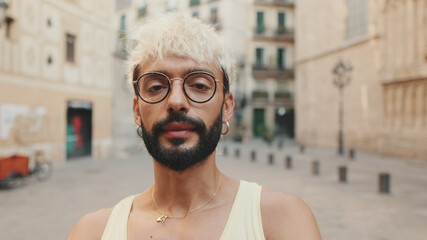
[285, 122]
[258, 122]
[79, 129]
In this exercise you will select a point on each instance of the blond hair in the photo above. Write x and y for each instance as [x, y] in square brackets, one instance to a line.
[174, 34]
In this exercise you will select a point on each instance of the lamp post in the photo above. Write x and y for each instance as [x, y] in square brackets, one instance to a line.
[4, 18]
[3, 8]
[341, 79]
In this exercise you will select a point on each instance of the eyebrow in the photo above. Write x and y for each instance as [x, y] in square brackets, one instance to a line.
[186, 72]
[198, 69]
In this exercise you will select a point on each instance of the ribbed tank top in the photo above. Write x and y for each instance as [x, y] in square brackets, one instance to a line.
[244, 221]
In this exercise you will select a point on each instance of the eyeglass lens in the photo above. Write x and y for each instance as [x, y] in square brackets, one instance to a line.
[154, 87]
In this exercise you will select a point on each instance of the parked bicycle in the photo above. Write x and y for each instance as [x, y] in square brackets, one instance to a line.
[15, 168]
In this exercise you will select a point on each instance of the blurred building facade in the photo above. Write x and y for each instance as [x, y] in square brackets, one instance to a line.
[55, 77]
[385, 102]
[261, 34]
[269, 68]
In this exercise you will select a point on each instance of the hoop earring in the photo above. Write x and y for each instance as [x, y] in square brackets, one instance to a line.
[228, 127]
[139, 131]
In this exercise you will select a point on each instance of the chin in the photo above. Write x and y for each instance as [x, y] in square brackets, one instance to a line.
[184, 143]
[182, 152]
[177, 142]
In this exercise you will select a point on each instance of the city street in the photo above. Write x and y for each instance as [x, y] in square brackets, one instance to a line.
[351, 210]
[79, 80]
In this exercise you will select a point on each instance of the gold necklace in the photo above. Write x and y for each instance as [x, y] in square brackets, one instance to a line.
[164, 216]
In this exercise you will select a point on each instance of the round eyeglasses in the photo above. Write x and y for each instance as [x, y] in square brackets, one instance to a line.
[198, 86]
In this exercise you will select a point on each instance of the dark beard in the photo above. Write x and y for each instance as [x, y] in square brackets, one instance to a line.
[182, 159]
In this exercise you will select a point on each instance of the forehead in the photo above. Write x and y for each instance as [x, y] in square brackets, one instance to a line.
[174, 66]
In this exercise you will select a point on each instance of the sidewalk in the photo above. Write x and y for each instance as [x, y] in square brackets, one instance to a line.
[352, 210]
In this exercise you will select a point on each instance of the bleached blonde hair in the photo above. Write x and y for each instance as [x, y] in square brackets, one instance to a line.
[174, 34]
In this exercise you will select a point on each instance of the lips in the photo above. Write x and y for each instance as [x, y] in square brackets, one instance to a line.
[178, 130]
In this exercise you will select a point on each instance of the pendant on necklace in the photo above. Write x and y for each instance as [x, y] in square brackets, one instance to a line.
[162, 218]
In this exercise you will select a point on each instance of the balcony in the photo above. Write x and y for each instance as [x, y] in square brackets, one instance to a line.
[260, 95]
[262, 71]
[284, 98]
[276, 3]
[285, 34]
[194, 2]
[281, 34]
[278, 96]
[260, 30]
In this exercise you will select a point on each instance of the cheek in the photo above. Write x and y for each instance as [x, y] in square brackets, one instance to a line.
[147, 116]
[209, 113]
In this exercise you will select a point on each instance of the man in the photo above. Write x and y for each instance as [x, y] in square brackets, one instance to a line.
[181, 71]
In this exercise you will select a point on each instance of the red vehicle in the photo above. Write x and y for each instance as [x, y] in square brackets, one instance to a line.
[13, 169]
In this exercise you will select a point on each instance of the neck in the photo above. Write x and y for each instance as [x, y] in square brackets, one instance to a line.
[179, 192]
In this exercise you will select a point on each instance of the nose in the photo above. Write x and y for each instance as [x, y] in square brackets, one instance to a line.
[177, 100]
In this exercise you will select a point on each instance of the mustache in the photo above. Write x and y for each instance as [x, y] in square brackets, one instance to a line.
[199, 125]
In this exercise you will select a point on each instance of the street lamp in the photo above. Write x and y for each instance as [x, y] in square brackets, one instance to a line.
[341, 79]
[3, 5]
[4, 17]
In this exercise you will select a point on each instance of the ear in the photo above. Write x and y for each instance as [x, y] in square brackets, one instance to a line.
[228, 107]
[136, 112]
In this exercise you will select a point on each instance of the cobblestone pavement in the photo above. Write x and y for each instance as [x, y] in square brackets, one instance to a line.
[352, 210]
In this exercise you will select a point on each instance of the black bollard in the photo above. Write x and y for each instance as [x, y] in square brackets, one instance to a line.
[316, 167]
[237, 153]
[288, 162]
[280, 144]
[351, 154]
[302, 148]
[225, 151]
[270, 159]
[384, 183]
[253, 156]
[342, 173]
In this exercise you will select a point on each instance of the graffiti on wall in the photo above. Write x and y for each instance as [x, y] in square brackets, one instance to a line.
[21, 123]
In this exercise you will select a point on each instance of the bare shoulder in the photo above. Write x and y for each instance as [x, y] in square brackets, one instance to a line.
[90, 226]
[286, 216]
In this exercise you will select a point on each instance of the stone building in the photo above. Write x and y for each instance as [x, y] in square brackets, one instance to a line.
[260, 32]
[385, 102]
[269, 67]
[55, 77]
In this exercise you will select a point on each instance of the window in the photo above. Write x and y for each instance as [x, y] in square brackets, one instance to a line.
[70, 42]
[142, 8]
[214, 15]
[195, 14]
[259, 54]
[10, 29]
[357, 18]
[281, 23]
[122, 35]
[281, 59]
[123, 23]
[260, 27]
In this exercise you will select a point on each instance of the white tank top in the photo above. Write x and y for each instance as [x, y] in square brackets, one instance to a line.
[244, 221]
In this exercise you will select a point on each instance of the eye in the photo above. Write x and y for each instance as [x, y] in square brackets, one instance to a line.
[200, 86]
[199, 83]
[154, 83]
[156, 88]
